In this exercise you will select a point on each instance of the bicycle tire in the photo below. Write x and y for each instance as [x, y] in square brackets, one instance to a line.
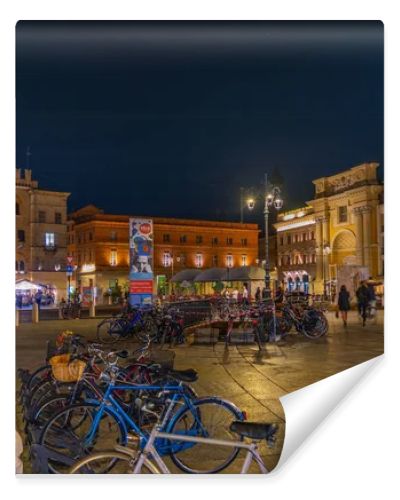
[109, 331]
[83, 466]
[52, 437]
[181, 459]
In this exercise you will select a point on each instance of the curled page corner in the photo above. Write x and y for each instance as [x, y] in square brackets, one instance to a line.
[306, 408]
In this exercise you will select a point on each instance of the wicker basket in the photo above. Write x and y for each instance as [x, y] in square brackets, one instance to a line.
[66, 371]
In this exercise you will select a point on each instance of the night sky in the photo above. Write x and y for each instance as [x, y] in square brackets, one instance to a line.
[170, 119]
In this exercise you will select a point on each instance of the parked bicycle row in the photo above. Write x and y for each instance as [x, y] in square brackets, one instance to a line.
[88, 410]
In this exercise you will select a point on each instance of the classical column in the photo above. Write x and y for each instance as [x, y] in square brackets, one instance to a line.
[366, 218]
[325, 242]
[319, 254]
[359, 236]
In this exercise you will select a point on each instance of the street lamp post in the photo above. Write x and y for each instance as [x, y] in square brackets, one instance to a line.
[272, 198]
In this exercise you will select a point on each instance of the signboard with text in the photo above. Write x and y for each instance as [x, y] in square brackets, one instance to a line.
[140, 261]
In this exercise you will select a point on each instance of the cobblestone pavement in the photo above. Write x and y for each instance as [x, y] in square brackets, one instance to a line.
[253, 381]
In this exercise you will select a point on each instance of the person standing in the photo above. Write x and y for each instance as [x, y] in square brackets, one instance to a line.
[245, 294]
[258, 294]
[344, 303]
[362, 299]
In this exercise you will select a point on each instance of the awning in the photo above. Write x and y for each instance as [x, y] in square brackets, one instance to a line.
[185, 275]
[209, 275]
[26, 285]
[244, 273]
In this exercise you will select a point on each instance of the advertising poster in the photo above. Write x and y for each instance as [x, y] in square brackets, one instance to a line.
[87, 296]
[140, 261]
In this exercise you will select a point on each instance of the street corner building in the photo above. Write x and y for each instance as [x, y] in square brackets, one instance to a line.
[41, 237]
[336, 238]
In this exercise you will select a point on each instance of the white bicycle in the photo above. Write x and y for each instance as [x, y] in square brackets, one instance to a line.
[148, 460]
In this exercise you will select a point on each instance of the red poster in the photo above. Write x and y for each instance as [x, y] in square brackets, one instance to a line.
[141, 286]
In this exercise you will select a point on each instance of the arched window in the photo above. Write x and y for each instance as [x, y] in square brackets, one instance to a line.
[17, 212]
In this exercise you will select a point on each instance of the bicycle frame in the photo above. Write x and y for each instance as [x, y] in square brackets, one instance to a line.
[115, 408]
[150, 451]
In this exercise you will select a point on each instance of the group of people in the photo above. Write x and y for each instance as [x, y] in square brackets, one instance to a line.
[243, 296]
[39, 297]
[366, 297]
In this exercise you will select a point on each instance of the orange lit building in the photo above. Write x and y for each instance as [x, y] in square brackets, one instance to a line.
[98, 243]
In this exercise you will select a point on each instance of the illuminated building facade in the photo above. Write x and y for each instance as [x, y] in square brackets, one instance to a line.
[40, 236]
[337, 238]
[98, 243]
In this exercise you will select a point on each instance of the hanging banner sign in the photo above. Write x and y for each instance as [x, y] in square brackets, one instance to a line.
[140, 261]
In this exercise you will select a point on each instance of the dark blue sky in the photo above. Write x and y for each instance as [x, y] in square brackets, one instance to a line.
[172, 118]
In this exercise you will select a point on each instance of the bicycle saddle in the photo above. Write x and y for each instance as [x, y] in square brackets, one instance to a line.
[189, 375]
[254, 430]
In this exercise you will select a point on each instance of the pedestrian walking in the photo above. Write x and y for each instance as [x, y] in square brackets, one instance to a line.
[344, 303]
[362, 300]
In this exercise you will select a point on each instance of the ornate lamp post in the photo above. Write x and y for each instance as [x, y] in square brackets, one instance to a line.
[272, 199]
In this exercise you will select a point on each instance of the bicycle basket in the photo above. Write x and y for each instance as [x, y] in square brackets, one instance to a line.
[66, 371]
[165, 358]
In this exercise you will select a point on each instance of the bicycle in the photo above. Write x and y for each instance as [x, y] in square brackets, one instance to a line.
[136, 460]
[71, 310]
[138, 322]
[78, 429]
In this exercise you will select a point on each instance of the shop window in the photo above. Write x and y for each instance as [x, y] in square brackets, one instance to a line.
[342, 214]
[229, 260]
[42, 216]
[166, 238]
[49, 239]
[21, 235]
[58, 218]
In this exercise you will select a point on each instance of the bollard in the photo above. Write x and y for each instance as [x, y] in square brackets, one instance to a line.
[92, 310]
[35, 313]
[109, 300]
[16, 317]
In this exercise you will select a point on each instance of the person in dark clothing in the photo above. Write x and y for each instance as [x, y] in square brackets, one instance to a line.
[344, 303]
[264, 293]
[279, 295]
[363, 300]
[258, 294]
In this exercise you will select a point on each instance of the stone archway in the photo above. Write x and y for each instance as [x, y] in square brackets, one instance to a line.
[343, 247]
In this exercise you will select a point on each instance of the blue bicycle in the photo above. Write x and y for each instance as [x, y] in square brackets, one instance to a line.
[138, 322]
[82, 429]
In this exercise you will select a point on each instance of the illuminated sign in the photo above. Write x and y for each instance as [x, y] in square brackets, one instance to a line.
[88, 268]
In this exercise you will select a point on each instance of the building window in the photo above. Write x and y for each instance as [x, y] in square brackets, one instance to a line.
[183, 259]
[281, 240]
[229, 241]
[214, 241]
[79, 237]
[199, 260]
[229, 260]
[17, 212]
[215, 260]
[244, 260]
[182, 238]
[166, 259]
[90, 236]
[19, 266]
[21, 235]
[113, 236]
[49, 239]
[166, 238]
[304, 236]
[342, 214]
[244, 242]
[313, 257]
[199, 240]
[312, 235]
[289, 239]
[113, 257]
[42, 216]
[57, 218]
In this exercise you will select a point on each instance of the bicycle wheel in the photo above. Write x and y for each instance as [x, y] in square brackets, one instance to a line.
[68, 433]
[110, 331]
[315, 325]
[124, 464]
[147, 331]
[211, 418]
